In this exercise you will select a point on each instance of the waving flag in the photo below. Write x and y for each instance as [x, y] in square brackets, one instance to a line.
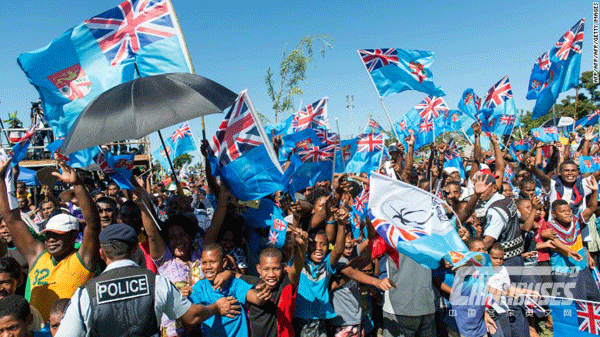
[282, 128]
[426, 119]
[19, 150]
[99, 54]
[326, 137]
[182, 140]
[539, 74]
[499, 108]
[453, 158]
[367, 157]
[373, 127]
[588, 120]
[545, 135]
[414, 222]
[470, 103]
[395, 70]
[575, 318]
[160, 154]
[277, 233]
[78, 159]
[563, 72]
[246, 160]
[297, 141]
[589, 164]
[522, 145]
[117, 167]
[344, 153]
[309, 166]
[312, 116]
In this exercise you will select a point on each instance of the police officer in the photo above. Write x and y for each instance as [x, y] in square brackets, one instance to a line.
[127, 300]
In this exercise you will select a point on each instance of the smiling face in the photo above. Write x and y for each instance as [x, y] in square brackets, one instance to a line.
[107, 214]
[569, 173]
[270, 270]
[318, 248]
[349, 244]
[213, 262]
[179, 242]
[4, 233]
[59, 245]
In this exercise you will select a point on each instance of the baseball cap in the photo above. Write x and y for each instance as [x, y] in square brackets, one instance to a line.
[61, 224]
[451, 169]
[392, 148]
[118, 232]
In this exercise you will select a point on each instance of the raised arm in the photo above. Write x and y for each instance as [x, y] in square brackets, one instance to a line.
[342, 216]
[156, 244]
[499, 156]
[531, 167]
[480, 187]
[592, 204]
[408, 159]
[300, 239]
[89, 250]
[25, 242]
[217, 221]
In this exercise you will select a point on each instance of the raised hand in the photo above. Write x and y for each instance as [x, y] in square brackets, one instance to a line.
[476, 127]
[480, 185]
[228, 306]
[3, 167]
[341, 215]
[68, 175]
[589, 134]
[592, 183]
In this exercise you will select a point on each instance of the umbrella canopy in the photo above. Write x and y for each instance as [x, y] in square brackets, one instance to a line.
[134, 109]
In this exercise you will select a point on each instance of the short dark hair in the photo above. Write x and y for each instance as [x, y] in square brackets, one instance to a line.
[472, 241]
[557, 203]
[316, 194]
[214, 246]
[15, 305]
[526, 180]
[187, 223]
[107, 200]
[568, 162]
[59, 306]
[10, 266]
[272, 253]
[519, 202]
[452, 182]
[116, 250]
[497, 246]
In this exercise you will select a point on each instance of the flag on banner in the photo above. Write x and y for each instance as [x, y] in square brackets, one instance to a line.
[182, 140]
[297, 141]
[373, 127]
[367, 157]
[589, 164]
[247, 162]
[395, 70]
[470, 104]
[19, 150]
[564, 68]
[575, 318]
[414, 222]
[312, 116]
[588, 120]
[539, 73]
[100, 53]
[500, 108]
[309, 166]
[545, 135]
[161, 154]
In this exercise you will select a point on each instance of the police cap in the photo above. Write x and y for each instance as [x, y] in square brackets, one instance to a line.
[118, 232]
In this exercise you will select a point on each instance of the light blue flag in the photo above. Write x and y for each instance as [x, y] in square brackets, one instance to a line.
[574, 318]
[161, 156]
[89, 59]
[309, 166]
[470, 103]
[373, 127]
[298, 140]
[78, 159]
[414, 222]
[182, 140]
[395, 70]
[122, 165]
[545, 135]
[247, 162]
[539, 74]
[367, 156]
[588, 120]
[499, 109]
[344, 153]
[589, 164]
[281, 128]
[565, 59]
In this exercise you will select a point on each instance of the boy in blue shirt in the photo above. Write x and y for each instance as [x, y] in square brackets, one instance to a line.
[312, 302]
[214, 262]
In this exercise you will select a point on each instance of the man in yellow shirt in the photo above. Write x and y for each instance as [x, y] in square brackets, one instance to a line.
[57, 268]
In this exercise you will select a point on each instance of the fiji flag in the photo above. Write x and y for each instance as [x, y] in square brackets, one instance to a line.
[539, 74]
[414, 222]
[247, 162]
[311, 116]
[299, 141]
[563, 74]
[575, 317]
[426, 119]
[456, 120]
[395, 70]
[78, 159]
[367, 157]
[20, 148]
[309, 166]
[453, 158]
[470, 103]
[500, 108]
[373, 127]
[545, 135]
[277, 233]
[161, 154]
[589, 164]
[588, 120]
[182, 140]
[99, 54]
[117, 167]
[281, 128]
[344, 153]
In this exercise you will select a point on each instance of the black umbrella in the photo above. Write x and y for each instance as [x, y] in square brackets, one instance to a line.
[137, 108]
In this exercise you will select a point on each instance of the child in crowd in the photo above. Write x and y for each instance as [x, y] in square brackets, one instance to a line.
[232, 247]
[57, 311]
[205, 292]
[11, 277]
[15, 317]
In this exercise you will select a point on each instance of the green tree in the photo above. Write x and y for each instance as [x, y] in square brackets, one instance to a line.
[183, 159]
[292, 72]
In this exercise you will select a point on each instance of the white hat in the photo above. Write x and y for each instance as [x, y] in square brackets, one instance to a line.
[61, 224]
[451, 169]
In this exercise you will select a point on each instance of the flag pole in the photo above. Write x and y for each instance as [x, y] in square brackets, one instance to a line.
[340, 142]
[196, 143]
[187, 56]
[335, 156]
[380, 100]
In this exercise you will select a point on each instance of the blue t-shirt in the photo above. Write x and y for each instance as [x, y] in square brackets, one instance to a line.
[468, 301]
[204, 294]
[312, 301]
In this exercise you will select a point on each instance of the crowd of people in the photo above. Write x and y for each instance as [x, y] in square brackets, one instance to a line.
[96, 260]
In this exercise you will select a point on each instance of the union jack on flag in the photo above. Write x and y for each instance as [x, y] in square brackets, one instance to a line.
[426, 126]
[377, 58]
[572, 41]
[328, 138]
[361, 200]
[596, 159]
[402, 124]
[181, 132]
[452, 151]
[370, 142]
[237, 134]
[317, 154]
[122, 31]
[101, 161]
[279, 225]
[312, 116]
[588, 316]
[273, 237]
[544, 61]
[27, 136]
[508, 119]
[550, 130]
[431, 107]
[499, 93]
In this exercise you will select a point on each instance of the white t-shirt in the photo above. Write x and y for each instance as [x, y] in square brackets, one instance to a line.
[500, 282]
